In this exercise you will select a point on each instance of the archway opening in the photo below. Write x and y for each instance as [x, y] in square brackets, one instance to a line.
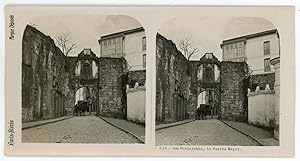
[86, 101]
[209, 100]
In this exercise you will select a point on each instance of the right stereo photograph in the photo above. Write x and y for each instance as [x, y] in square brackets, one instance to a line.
[217, 82]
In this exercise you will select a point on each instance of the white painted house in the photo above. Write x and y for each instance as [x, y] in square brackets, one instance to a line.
[130, 44]
[255, 49]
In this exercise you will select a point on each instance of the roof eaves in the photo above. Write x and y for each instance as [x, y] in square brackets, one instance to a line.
[139, 29]
[268, 32]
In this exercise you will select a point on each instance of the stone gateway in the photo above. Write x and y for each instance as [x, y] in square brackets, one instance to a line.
[52, 83]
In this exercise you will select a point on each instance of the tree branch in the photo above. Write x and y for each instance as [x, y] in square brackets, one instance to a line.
[186, 47]
[64, 42]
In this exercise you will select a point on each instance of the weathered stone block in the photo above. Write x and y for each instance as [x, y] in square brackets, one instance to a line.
[173, 82]
[45, 78]
[234, 84]
[112, 87]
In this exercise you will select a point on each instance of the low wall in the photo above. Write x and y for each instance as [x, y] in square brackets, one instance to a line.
[261, 111]
[136, 104]
[261, 80]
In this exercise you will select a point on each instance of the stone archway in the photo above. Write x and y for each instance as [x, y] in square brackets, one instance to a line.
[206, 78]
[87, 80]
[212, 98]
[88, 94]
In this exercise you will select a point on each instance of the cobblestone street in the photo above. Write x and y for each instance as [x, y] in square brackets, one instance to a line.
[85, 129]
[202, 132]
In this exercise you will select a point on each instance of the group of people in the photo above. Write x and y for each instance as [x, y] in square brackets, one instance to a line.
[80, 108]
[203, 110]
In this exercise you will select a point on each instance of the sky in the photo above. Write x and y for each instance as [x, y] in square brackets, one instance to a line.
[207, 33]
[85, 30]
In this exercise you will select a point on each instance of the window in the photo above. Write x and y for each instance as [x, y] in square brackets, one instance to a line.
[117, 46]
[267, 65]
[240, 45]
[86, 71]
[144, 61]
[144, 43]
[208, 56]
[267, 48]
[112, 46]
[86, 52]
[240, 52]
[227, 47]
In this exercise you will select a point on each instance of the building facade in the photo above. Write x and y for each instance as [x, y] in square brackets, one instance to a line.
[255, 49]
[130, 44]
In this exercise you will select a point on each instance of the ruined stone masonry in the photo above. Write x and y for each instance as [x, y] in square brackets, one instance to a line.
[45, 78]
[261, 80]
[136, 76]
[179, 83]
[50, 80]
[112, 87]
[172, 84]
[234, 86]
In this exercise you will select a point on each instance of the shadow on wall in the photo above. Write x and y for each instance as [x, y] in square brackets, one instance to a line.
[136, 104]
[45, 78]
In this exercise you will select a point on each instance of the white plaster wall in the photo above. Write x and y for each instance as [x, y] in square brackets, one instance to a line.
[255, 52]
[94, 69]
[136, 104]
[261, 109]
[202, 98]
[217, 73]
[200, 73]
[80, 94]
[78, 68]
[133, 50]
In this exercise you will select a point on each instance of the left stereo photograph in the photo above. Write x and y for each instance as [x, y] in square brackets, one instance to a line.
[83, 79]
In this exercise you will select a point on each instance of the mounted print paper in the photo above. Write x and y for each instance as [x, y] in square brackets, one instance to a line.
[225, 77]
[123, 81]
[72, 92]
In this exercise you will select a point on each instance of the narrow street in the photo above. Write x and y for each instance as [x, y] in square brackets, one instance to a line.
[202, 132]
[85, 129]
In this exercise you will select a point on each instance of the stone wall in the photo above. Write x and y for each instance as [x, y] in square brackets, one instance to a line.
[172, 84]
[49, 80]
[113, 78]
[70, 101]
[138, 76]
[261, 80]
[45, 77]
[209, 80]
[234, 84]
[194, 66]
[179, 82]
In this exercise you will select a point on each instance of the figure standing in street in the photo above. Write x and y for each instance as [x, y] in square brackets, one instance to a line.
[198, 113]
